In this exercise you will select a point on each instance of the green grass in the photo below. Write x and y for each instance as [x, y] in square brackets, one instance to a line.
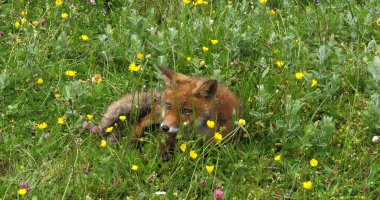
[333, 42]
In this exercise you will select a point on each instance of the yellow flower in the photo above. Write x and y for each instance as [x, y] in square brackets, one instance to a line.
[277, 158]
[18, 40]
[314, 82]
[109, 129]
[135, 167]
[64, 15]
[42, 125]
[272, 12]
[242, 122]
[40, 81]
[313, 162]
[204, 49]
[202, 62]
[307, 185]
[24, 12]
[263, 1]
[22, 191]
[229, 2]
[103, 143]
[188, 58]
[57, 96]
[58, 3]
[122, 118]
[100, 80]
[140, 56]
[186, 1]
[84, 37]
[218, 136]
[23, 20]
[60, 121]
[299, 75]
[17, 24]
[183, 147]
[70, 73]
[89, 116]
[35, 23]
[193, 154]
[133, 67]
[210, 124]
[279, 63]
[210, 168]
[214, 42]
[296, 42]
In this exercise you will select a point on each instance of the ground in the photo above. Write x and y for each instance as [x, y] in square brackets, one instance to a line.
[306, 71]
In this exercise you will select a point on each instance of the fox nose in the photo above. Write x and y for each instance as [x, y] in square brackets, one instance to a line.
[165, 128]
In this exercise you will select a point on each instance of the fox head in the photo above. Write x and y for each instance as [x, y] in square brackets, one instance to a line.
[187, 100]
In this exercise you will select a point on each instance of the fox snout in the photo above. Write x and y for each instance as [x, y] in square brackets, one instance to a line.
[169, 129]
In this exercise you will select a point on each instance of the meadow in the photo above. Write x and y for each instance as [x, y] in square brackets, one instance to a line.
[307, 72]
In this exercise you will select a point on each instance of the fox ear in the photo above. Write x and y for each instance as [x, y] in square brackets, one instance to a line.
[169, 75]
[172, 77]
[208, 89]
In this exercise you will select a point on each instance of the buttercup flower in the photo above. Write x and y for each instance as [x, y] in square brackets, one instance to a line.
[90, 117]
[84, 37]
[122, 118]
[214, 42]
[210, 168]
[57, 95]
[272, 12]
[263, 1]
[313, 162]
[135, 167]
[22, 191]
[109, 129]
[42, 125]
[103, 143]
[210, 124]
[277, 158]
[24, 13]
[296, 42]
[133, 67]
[40, 81]
[218, 136]
[70, 73]
[64, 15]
[60, 121]
[204, 49]
[188, 58]
[279, 63]
[202, 62]
[183, 147]
[307, 185]
[299, 75]
[193, 154]
[17, 24]
[242, 122]
[314, 82]
[23, 20]
[140, 56]
[35, 23]
[186, 1]
[58, 3]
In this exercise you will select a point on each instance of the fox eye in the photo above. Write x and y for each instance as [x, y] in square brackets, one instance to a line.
[168, 106]
[187, 112]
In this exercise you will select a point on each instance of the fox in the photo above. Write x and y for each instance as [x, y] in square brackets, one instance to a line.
[185, 104]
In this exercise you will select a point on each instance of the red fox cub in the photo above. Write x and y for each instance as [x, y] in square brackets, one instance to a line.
[187, 103]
